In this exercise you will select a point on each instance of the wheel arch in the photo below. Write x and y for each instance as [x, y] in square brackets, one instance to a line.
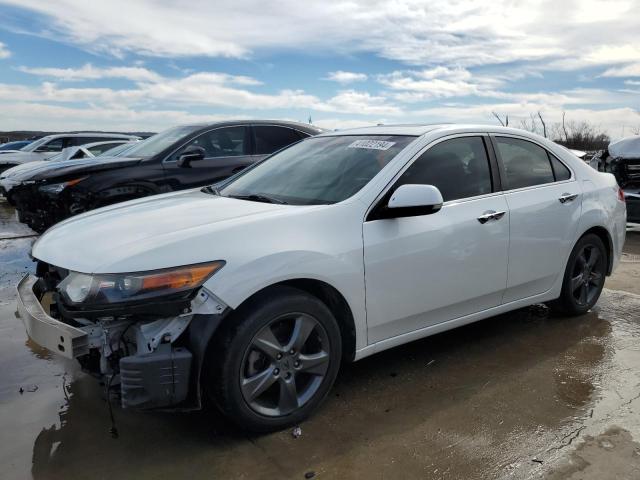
[126, 190]
[605, 236]
[332, 298]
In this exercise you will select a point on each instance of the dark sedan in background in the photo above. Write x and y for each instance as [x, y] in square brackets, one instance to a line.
[14, 146]
[179, 158]
[622, 159]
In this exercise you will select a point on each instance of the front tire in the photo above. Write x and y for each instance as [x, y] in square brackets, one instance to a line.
[584, 277]
[275, 361]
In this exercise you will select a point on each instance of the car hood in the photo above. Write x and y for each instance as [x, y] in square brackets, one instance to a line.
[24, 170]
[50, 169]
[174, 229]
[23, 157]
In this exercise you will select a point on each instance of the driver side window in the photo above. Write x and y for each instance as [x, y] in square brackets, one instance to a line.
[221, 142]
[458, 167]
[55, 145]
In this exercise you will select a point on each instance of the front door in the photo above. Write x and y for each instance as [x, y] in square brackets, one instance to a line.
[424, 270]
[227, 150]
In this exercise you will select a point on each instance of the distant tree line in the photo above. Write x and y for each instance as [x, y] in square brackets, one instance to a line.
[580, 135]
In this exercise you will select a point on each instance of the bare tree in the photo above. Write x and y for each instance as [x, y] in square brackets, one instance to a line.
[580, 135]
[506, 119]
[544, 125]
[529, 124]
[564, 128]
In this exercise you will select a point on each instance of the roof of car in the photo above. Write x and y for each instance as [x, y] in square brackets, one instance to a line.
[119, 140]
[283, 123]
[94, 135]
[421, 129]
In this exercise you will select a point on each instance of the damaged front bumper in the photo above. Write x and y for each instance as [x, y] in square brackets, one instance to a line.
[46, 331]
[155, 362]
[40, 209]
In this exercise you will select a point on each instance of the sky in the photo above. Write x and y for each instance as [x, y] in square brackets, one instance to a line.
[144, 65]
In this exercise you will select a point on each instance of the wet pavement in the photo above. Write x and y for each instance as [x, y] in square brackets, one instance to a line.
[521, 395]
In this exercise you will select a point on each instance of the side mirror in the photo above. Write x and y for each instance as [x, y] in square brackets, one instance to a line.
[414, 200]
[190, 154]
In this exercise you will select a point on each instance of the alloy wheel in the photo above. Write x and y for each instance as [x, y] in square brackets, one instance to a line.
[588, 275]
[285, 364]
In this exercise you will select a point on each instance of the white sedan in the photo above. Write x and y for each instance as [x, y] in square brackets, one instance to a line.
[338, 247]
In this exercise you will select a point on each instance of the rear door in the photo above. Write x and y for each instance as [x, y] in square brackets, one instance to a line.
[227, 150]
[544, 202]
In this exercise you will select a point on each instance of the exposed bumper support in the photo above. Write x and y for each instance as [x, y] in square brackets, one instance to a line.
[165, 370]
[46, 331]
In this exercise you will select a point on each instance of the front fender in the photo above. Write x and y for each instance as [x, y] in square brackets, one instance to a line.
[345, 273]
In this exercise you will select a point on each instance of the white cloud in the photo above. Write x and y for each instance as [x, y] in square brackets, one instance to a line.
[465, 32]
[468, 51]
[438, 82]
[89, 72]
[42, 116]
[4, 51]
[360, 103]
[342, 124]
[204, 89]
[632, 70]
[343, 77]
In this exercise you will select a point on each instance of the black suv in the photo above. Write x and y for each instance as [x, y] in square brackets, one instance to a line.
[179, 158]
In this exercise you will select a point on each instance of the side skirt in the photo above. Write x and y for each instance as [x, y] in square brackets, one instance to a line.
[451, 324]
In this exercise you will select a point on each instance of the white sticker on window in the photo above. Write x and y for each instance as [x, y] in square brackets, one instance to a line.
[372, 144]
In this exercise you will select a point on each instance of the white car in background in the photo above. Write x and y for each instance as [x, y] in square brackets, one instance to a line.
[91, 150]
[51, 145]
[343, 245]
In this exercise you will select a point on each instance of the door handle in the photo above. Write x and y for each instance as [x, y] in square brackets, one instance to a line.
[490, 215]
[568, 197]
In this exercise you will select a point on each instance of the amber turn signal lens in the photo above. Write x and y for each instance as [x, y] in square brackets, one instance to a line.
[182, 278]
[75, 181]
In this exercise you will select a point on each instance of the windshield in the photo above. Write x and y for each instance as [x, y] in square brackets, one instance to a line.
[161, 141]
[32, 146]
[320, 170]
[13, 145]
[118, 151]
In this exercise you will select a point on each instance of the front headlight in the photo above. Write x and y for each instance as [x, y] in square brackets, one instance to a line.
[122, 287]
[56, 188]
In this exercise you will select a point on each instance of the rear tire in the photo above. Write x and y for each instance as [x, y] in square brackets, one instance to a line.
[584, 277]
[275, 361]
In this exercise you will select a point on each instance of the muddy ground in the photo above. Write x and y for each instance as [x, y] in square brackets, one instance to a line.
[522, 395]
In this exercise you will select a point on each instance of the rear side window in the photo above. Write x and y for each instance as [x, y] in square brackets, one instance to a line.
[559, 170]
[270, 139]
[77, 141]
[458, 167]
[525, 163]
[98, 149]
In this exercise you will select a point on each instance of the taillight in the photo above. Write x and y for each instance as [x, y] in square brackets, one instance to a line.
[621, 194]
